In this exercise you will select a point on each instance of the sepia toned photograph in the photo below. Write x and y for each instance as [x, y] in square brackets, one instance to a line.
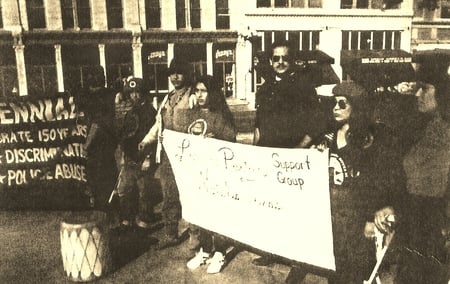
[225, 141]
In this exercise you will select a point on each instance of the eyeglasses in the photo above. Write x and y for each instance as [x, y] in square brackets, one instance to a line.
[341, 103]
[284, 58]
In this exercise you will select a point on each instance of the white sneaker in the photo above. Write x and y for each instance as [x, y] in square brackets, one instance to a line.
[198, 260]
[216, 263]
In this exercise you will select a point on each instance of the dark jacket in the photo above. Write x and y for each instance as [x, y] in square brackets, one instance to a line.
[286, 111]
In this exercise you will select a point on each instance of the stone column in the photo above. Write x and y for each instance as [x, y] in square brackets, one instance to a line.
[243, 81]
[170, 56]
[59, 68]
[209, 58]
[19, 48]
[137, 56]
[102, 57]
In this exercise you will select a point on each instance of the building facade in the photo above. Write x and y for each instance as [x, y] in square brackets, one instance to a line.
[48, 45]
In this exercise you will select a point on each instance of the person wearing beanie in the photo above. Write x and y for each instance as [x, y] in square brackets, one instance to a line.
[176, 99]
[426, 163]
[136, 180]
[361, 181]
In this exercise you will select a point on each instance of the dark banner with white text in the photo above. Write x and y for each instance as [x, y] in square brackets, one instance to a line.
[42, 162]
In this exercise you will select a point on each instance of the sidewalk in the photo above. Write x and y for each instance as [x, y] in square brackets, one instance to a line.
[31, 253]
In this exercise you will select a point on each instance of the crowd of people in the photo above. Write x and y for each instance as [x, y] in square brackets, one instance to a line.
[380, 170]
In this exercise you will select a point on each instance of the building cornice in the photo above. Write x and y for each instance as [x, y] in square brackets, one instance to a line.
[217, 36]
[344, 13]
[76, 37]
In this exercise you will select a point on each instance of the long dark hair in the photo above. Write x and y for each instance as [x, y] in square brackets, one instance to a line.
[216, 100]
[436, 74]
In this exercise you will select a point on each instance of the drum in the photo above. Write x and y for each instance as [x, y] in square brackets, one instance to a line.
[85, 246]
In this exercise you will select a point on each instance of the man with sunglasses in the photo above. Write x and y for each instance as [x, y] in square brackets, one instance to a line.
[286, 104]
[287, 109]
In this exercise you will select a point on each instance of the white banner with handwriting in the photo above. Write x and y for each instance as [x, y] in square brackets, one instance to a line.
[273, 199]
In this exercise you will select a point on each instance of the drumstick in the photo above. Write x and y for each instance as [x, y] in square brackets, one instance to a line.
[377, 266]
[119, 178]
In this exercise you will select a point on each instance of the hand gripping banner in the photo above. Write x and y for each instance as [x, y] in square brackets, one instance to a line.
[273, 199]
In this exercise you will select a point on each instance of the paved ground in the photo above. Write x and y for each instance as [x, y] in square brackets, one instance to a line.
[31, 253]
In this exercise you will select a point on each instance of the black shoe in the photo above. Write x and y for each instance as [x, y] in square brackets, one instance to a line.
[295, 276]
[167, 242]
[263, 260]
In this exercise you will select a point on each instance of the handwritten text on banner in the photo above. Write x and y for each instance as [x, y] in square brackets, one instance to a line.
[273, 199]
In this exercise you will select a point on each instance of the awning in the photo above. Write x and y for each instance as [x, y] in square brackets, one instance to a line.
[318, 64]
[314, 63]
[375, 68]
[437, 55]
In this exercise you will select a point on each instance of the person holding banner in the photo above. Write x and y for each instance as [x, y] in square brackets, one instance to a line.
[136, 175]
[178, 98]
[363, 180]
[210, 117]
[287, 108]
[288, 112]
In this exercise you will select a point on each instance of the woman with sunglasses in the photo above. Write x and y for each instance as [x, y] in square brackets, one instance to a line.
[361, 181]
[209, 116]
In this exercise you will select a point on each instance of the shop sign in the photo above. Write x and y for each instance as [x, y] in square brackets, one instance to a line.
[226, 54]
[378, 60]
[159, 56]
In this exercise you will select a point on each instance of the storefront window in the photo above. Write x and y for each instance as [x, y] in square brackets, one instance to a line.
[77, 60]
[195, 54]
[119, 62]
[224, 68]
[154, 62]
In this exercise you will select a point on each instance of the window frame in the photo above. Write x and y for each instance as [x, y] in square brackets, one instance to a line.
[75, 10]
[153, 14]
[222, 15]
[36, 15]
[112, 11]
[288, 4]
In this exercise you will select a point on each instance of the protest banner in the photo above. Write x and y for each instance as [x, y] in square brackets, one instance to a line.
[41, 151]
[273, 199]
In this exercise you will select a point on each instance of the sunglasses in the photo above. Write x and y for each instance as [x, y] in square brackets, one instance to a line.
[284, 58]
[341, 103]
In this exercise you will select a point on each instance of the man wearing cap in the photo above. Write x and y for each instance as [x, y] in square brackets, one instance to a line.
[178, 98]
[136, 175]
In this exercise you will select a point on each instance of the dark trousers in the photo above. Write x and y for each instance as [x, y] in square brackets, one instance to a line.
[135, 192]
[171, 206]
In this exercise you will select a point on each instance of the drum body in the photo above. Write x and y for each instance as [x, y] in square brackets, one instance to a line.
[85, 246]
